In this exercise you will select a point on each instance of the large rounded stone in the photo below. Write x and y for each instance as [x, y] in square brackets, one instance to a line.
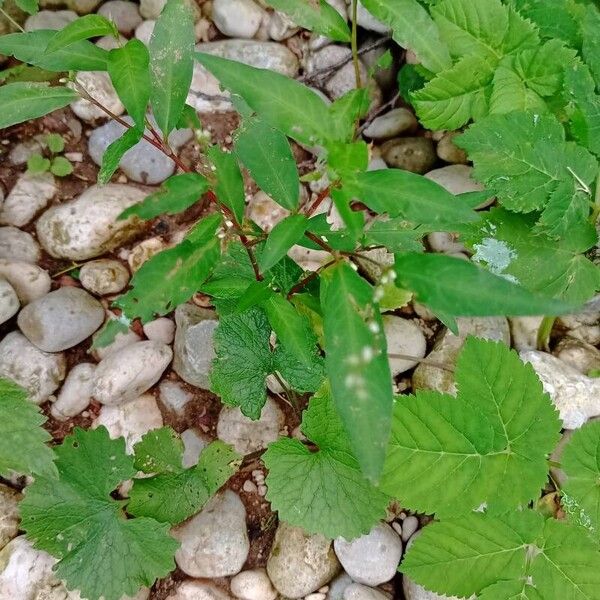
[88, 226]
[129, 372]
[391, 124]
[214, 543]
[415, 154]
[253, 585]
[9, 514]
[30, 282]
[61, 319]
[404, 337]
[29, 195]
[99, 86]
[18, 245]
[40, 373]
[237, 18]
[9, 302]
[76, 392]
[104, 276]
[300, 563]
[198, 590]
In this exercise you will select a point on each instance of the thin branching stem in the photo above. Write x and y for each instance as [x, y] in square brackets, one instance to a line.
[354, 44]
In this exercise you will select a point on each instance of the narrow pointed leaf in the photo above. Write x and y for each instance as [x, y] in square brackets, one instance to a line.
[284, 235]
[83, 28]
[229, 186]
[116, 150]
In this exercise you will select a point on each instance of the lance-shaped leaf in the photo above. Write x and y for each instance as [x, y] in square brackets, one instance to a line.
[177, 193]
[315, 15]
[83, 28]
[284, 235]
[413, 28]
[128, 70]
[171, 63]
[116, 150]
[174, 493]
[322, 492]
[267, 154]
[73, 517]
[23, 101]
[29, 6]
[357, 365]
[229, 186]
[488, 445]
[181, 272]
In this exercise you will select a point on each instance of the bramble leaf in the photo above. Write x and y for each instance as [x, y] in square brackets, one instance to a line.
[73, 517]
[173, 493]
[357, 365]
[315, 15]
[524, 159]
[324, 491]
[181, 271]
[178, 193]
[591, 44]
[21, 427]
[413, 28]
[171, 63]
[23, 101]
[493, 438]
[267, 155]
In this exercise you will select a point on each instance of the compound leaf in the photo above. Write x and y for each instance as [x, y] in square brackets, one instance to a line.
[73, 517]
[322, 492]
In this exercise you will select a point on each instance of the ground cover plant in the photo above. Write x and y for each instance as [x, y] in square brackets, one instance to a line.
[524, 88]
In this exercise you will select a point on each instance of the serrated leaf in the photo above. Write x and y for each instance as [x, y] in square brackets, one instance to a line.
[171, 63]
[173, 493]
[21, 427]
[128, 70]
[469, 555]
[463, 289]
[73, 517]
[285, 104]
[508, 245]
[315, 15]
[61, 167]
[30, 47]
[23, 101]
[82, 28]
[177, 193]
[580, 462]
[322, 492]
[116, 150]
[283, 236]
[181, 271]
[524, 159]
[229, 186]
[400, 193]
[300, 377]
[413, 28]
[357, 365]
[267, 155]
[591, 44]
[489, 445]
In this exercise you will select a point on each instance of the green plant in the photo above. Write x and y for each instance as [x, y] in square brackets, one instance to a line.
[530, 89]
[57, 165]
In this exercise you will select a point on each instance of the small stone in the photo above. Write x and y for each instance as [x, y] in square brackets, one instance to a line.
[409, 527]
[237, 18]
[104, 276]
[415, 154]
[584, 325]
[262, 490]
[366, 20]
[316, 596]
[174, 396]
[84, 7]
[109, 42]
[89, 226]
[160, 330]
[448, 151]
[391, 124]
[458, 179]
[247, 435]
[443, 241]
[413, 591]
[373, 558]
[130, 420]
[249, 487]
[356, 591]
[28, 196]
[193, 444]
[9, 514]
[144, 251]
[151, 9]
[281, 26]
[40, 373]
[61, 319]
[29, 281]
[197, 590]
[194, 351]
[403, 337]
[143, 163]
[76, 392]
[214, 543]
[99, 86]
[50, 19]
[447, 347]
[253, 585]
[579, 355]
[143, 31]
[524, 331]
[576, 396]
[23, 151]
[265, 212]
[9, 302]
[299, 563]
[338, 586]
[125, 15]
[18, 245]
[130, 371]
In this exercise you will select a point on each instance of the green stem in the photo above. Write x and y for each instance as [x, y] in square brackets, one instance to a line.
[544, 331]
[354, 44]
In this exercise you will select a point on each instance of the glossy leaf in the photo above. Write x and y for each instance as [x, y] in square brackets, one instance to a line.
[116, 150]
[229, 186]
[284, 235]
[83, 28]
